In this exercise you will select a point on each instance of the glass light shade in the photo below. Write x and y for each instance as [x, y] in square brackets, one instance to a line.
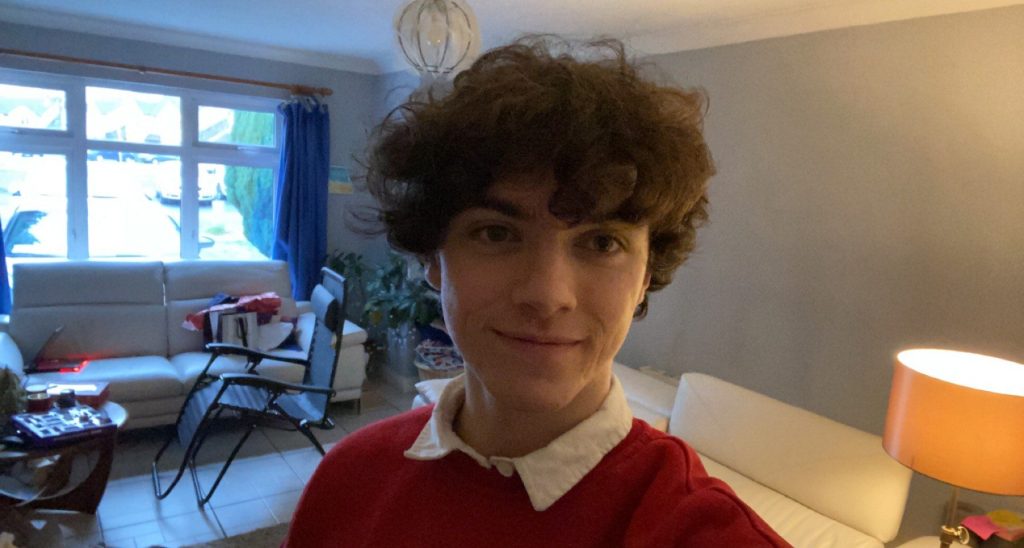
[437, 37]
[959, 418]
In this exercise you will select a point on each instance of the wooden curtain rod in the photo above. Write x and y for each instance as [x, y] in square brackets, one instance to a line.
[294, 88]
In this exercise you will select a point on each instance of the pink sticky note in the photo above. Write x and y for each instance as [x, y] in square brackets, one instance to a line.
[980, 525]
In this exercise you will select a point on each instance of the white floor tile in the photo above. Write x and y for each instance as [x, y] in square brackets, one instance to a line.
[125, 535]
[243, 517]
[240, 481]
[131, 500]
[303, 462]
[146, 541]
[186, 526]
[283, 505]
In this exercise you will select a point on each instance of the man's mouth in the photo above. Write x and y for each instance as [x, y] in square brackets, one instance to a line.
[539, 338]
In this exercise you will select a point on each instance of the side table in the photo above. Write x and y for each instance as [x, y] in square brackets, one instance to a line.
[76, 480]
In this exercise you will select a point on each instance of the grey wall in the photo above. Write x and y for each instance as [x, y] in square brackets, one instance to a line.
[870, 198]
[353, 106]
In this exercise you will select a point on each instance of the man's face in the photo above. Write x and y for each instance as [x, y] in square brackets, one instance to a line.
[538, 308]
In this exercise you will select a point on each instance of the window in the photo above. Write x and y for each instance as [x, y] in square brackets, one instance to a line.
[28, 107]
[107, 170]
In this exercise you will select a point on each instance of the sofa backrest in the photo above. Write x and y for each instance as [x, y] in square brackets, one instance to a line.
[190, 285]
[108, 309]
[834, 469]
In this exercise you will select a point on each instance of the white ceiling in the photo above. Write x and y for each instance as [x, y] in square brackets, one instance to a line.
[357, 35]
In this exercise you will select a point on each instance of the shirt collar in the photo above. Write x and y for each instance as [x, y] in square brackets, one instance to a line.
[547, 473]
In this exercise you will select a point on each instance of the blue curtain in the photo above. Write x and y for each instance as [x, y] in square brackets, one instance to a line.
[5, 284]
[300, 221]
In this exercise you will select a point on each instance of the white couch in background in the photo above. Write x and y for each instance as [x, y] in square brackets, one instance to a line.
[126, 319]
[817, 482]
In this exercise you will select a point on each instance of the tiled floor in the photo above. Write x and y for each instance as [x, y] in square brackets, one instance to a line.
[130, 515]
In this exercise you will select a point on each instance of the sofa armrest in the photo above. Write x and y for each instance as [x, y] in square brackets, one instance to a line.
[10, 355]
[646, 395]
[301, 307]
[834, 469]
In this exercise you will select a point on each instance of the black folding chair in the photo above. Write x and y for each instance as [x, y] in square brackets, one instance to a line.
[255, 399]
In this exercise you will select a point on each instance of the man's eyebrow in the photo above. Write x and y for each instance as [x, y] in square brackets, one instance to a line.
[504, 207]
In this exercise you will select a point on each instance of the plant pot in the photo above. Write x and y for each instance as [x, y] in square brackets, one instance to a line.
[402, 341]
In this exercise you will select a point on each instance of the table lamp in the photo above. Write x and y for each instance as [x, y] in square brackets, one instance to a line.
[959, 418]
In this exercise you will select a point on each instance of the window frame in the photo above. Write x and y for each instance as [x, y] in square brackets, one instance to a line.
[74, 144]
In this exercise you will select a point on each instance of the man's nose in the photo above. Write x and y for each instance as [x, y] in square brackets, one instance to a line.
[546, 283]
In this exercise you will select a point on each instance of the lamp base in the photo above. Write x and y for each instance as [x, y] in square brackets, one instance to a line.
[949, 534]
[950, 530]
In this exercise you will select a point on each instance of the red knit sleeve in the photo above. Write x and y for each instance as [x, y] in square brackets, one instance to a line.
[686, 507]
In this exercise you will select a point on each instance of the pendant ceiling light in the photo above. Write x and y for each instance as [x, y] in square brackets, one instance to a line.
[437, 37]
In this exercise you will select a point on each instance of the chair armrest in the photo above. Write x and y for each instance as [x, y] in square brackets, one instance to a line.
[222, 349]
[248, 379]
[10, 355]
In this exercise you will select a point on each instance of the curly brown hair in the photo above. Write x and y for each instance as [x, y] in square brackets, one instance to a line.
[620, 147]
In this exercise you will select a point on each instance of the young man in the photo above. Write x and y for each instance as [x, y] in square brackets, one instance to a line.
[546, 195]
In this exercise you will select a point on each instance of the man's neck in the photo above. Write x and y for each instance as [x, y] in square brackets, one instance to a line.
[496, 429]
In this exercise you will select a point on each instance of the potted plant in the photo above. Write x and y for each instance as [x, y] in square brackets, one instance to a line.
[400, 304]
[12, 396]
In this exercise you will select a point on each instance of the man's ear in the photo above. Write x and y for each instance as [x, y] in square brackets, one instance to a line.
[647, 283]
[432, 272]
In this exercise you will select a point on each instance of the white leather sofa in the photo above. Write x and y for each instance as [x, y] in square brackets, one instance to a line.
[817, 482]
[125, 319]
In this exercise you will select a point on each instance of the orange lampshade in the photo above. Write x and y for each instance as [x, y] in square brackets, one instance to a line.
[959, 418]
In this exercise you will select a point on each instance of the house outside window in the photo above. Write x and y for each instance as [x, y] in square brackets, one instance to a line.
[96, 169]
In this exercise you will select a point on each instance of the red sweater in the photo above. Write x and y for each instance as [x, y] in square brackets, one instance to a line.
[650, 490]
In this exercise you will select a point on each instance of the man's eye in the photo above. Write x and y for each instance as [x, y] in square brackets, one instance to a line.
[604, 243]
[494, 234]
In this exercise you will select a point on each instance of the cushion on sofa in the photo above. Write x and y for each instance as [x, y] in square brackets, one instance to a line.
[92, 330]
[67, 283]
[108, 309]
[131, 379]
[842, 472]
[796, 523]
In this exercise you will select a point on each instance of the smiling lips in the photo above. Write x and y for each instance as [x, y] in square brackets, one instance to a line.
[551, 341]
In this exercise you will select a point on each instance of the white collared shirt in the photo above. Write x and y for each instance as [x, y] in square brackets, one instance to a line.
[547, 473]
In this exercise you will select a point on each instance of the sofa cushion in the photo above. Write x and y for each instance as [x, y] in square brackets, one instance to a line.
[798, 524]
[840, 471]
[67, 283]
[131, 379]
[92, 330]
[190, 364]
[108, 309]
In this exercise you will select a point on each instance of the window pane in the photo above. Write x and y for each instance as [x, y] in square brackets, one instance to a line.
[33, 209]
[133, 117]
[125, 217]
[236, 127]
[239, 225]
[36, 108]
